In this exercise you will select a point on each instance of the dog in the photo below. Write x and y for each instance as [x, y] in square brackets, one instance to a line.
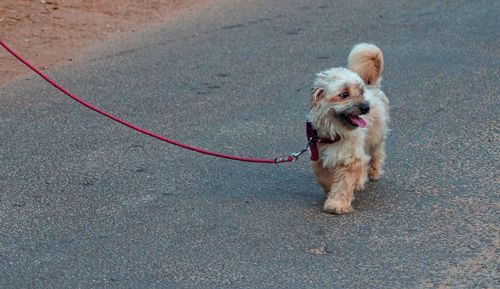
[349, 120]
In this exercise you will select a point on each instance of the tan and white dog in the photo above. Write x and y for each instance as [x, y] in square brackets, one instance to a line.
[349, 109]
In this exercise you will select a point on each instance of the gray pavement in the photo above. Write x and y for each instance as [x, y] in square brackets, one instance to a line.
[86, 203]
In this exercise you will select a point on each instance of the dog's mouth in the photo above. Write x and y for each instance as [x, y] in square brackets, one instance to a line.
[354, 120]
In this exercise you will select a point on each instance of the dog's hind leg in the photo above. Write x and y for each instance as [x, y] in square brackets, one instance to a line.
[376, 162]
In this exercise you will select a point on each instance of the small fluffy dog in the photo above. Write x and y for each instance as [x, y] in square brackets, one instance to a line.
[348, 117]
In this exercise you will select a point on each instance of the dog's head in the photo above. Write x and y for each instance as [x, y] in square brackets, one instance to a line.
[338, 99]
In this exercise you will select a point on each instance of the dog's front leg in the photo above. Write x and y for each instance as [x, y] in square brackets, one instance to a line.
[340, 196]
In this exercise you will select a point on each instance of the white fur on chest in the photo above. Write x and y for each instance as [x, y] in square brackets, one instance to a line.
[342, 153]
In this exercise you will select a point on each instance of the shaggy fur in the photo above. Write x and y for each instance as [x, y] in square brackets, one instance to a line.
[349, 103]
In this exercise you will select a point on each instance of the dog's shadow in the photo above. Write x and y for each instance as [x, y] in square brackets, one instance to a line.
[375, 196]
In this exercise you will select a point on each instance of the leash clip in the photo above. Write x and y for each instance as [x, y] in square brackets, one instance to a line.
[293, 156]
[296, 155]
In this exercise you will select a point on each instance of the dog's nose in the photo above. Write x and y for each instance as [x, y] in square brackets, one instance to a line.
[364, 108]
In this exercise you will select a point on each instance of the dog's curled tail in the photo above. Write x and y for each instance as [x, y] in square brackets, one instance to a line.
[367, 60]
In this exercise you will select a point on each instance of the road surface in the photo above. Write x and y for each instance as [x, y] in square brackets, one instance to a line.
[86, 203]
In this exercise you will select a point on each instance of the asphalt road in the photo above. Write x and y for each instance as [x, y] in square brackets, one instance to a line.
[86, 203]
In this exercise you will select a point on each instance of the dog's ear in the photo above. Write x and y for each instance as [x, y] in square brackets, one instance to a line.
[317, 95]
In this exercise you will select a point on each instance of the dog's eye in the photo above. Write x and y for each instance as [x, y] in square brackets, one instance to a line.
[344, 95]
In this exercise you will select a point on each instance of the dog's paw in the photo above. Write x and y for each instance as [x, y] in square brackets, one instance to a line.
[359, 186]
[337, 207]
[374, 174]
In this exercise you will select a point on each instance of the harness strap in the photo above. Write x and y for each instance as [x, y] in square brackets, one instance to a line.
[313, 139]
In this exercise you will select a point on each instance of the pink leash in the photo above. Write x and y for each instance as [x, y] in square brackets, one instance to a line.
[291, 158]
